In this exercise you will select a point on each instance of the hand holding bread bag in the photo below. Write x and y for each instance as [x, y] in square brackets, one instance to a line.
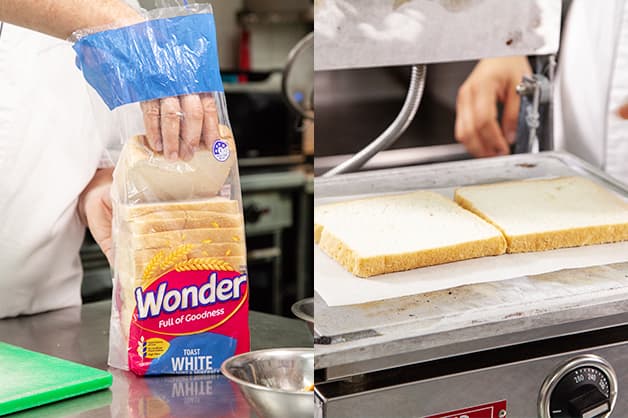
[180, 302]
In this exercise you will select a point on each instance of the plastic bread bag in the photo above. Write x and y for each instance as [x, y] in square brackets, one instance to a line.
[180, 286]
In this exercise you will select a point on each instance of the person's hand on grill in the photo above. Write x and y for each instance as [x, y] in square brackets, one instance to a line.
[492, 81]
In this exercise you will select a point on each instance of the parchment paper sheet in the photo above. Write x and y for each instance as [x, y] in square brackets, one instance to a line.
[338, 287]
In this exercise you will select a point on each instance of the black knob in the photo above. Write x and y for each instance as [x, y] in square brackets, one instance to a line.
[591, 403]
[581, 393]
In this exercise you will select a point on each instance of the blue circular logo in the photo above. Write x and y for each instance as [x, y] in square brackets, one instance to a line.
[221, 150]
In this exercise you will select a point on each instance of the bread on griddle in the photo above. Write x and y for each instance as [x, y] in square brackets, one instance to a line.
[538, 215]
[401, 232]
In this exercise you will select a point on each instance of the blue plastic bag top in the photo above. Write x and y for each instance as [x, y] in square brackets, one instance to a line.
[151, 60]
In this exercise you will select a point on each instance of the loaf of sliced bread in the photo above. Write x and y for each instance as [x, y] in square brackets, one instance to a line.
[537, 215]
[320, 214]
[401, 232]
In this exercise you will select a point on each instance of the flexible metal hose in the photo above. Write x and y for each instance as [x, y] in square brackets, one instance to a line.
[295, 52]
[394, 131]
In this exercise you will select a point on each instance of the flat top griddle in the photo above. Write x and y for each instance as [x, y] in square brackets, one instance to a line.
[370, 336]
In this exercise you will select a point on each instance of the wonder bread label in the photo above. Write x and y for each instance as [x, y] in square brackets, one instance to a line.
[190, 318]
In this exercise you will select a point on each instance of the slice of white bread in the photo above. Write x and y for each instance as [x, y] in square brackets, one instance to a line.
[144, 176]
[168, 239]
[537, 215]
[196, 251]
[177, 220]
[401, 232]
[213, 204]
[320, 214]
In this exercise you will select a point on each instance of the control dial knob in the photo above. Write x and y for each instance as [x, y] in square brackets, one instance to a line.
[584, 387]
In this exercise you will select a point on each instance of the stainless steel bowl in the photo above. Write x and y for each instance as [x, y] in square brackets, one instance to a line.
[275, 381]
[304, 309]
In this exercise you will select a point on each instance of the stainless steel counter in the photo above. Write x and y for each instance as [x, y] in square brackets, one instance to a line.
[81, 335]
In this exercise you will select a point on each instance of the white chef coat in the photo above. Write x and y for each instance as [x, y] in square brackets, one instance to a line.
[49, 150]
[593, 84]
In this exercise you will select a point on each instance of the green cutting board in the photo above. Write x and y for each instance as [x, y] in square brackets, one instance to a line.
[29, 379]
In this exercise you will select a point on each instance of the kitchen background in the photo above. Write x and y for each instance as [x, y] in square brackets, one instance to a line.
[354, 106]
[345, 112]
[275, 148]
